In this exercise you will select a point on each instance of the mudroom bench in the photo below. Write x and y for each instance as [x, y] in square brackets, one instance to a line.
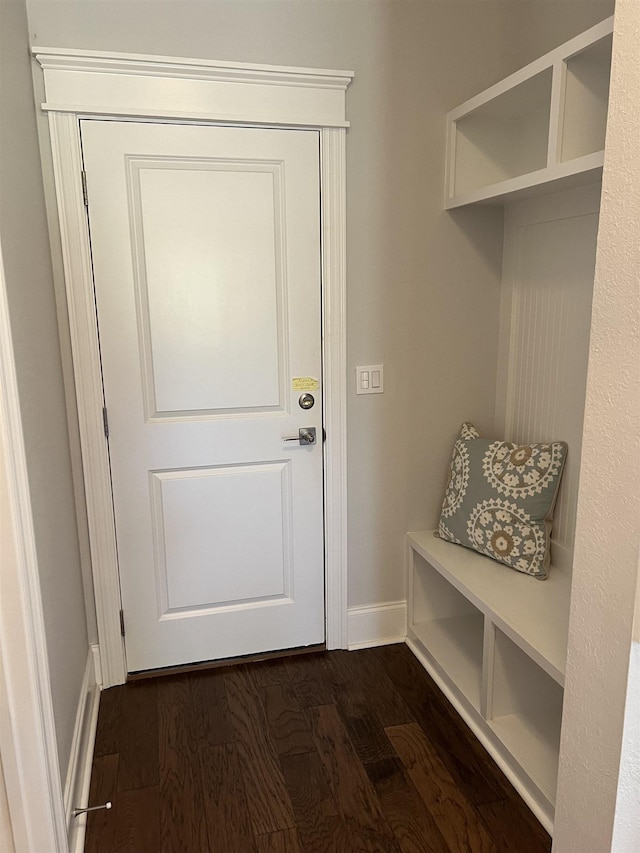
[494, 640]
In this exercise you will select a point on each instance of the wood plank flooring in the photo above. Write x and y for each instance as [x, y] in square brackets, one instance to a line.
[352, 752]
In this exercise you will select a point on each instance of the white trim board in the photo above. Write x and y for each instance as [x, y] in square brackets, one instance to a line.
[27, 728]
[95, 82]
[110, 85]
[76, 790]
[377, 625]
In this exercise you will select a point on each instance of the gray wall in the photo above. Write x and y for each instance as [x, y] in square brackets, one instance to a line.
[423, 285]
[544, 24]
[32, 309]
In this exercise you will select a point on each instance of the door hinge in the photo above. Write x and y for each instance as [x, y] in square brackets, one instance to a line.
[105, 422]
[122, 622]
[84, 188]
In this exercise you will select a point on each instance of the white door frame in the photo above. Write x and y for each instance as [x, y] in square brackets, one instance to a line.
[95, 84]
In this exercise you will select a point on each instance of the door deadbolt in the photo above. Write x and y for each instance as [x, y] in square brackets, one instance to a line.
[306, 401]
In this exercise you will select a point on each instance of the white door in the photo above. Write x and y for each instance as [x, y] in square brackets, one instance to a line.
[206, 253]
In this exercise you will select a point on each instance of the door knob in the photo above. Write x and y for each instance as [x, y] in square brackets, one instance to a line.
[306, 435]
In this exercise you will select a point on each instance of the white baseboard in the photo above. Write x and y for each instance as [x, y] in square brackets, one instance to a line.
[76, 789]
[377, 624]
[97, 665]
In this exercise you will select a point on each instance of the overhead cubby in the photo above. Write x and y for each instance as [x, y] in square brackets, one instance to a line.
[505, 137]
[586, 97]
[540, 129]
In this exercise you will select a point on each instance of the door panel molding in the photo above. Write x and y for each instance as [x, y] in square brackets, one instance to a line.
[270, 586]
[115, 86]
[156, 314]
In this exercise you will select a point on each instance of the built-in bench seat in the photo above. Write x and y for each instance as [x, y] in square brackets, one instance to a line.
[495, 641]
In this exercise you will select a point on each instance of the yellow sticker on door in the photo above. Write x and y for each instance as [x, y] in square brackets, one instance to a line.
[305, 383]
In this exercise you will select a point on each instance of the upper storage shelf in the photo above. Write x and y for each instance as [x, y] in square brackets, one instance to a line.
[542, 127]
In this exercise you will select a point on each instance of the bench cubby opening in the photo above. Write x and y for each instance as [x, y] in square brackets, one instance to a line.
[524, 710]
[450, 627]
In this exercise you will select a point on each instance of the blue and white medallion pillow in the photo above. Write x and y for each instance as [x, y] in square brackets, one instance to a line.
[500, 497]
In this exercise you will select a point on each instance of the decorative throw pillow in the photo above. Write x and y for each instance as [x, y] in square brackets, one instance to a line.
[500, 497]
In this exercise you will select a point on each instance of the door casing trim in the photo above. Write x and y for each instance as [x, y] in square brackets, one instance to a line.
[30, 763]
[116, 86]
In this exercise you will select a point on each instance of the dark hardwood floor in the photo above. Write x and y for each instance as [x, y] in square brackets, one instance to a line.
[334, 751]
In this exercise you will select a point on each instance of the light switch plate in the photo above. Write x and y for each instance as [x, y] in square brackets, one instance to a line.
[370, 379]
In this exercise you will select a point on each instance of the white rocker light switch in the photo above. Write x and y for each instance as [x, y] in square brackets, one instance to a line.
[369, 379]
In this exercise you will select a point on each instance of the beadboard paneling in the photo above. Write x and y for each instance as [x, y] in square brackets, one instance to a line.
[550, 246]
